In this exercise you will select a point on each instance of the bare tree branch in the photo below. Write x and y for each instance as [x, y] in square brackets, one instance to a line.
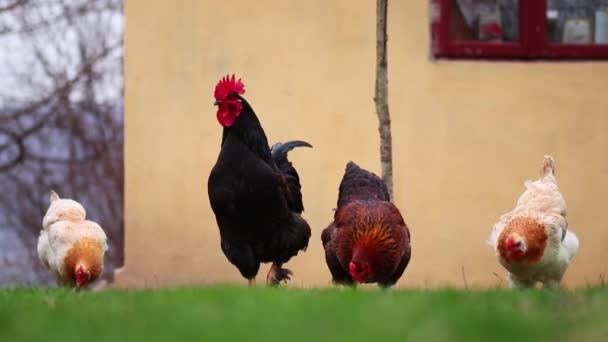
[13, 5]
[18, 158]
[61, 125]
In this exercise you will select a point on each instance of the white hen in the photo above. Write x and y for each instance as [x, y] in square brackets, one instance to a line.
[69, 246]
[533, 241]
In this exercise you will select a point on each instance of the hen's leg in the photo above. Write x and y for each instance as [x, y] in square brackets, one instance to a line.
[387, 286]
[251, 282]
[552, 283]
[515, 282]
[276, 274]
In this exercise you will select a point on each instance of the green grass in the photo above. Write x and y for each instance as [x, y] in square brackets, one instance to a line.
[263, 314]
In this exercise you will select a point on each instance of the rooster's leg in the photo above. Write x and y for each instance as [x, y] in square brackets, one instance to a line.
[276, 274]
[251, 282]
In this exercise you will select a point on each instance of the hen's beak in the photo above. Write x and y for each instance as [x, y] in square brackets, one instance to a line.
[216, 103]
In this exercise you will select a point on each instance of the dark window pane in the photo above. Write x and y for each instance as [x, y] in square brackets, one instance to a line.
[577, 21]
[485, 20]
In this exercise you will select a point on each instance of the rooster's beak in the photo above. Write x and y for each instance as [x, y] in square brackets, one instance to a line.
[216, 103]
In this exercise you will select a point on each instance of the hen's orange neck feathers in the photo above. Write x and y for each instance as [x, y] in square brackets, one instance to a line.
[370, 233]
[522, 232]
[374, 249]
[367, 242]
[84, 261]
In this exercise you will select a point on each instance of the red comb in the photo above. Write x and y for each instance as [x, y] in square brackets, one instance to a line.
[228, 85]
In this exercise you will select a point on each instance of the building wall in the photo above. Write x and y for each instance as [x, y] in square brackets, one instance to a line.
[466, 134]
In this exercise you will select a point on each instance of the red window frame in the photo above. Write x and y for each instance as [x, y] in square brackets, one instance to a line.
[532, 44]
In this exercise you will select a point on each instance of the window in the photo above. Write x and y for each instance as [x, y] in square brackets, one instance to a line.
[520, 29]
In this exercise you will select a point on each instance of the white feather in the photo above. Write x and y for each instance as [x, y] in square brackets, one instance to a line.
[64, 224]
[542, 202]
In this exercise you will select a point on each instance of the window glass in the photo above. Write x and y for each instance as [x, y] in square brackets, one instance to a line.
[577, 21]
[485, 20]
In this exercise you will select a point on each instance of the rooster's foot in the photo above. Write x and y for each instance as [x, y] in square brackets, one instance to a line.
[276, 275]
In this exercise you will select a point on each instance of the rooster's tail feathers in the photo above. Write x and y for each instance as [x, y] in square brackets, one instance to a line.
[279, 150]
[290, 177]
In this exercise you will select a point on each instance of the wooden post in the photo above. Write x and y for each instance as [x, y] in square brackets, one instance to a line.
[381, 97]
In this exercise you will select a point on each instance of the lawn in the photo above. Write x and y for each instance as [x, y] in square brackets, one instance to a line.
[236, 313]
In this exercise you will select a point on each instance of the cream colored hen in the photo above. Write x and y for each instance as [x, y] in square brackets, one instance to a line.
[69, 246]
[533, 241]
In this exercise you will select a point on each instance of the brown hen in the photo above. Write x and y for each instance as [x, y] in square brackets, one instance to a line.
[368, 241]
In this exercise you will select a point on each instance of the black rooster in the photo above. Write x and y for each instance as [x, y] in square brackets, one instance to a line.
[255, 191]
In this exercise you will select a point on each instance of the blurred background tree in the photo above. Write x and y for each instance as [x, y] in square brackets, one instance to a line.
[61, 123]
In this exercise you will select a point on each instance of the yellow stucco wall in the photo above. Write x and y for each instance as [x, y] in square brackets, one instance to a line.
[466, 134]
